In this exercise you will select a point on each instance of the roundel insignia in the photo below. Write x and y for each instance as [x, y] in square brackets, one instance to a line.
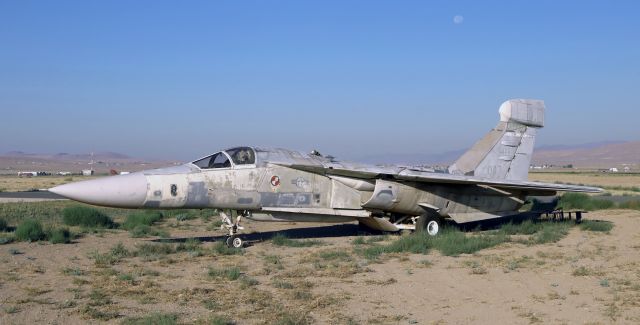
[275, 180]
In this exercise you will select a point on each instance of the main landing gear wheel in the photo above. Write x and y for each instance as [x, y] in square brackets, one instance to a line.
[430, 224]
[235, 242]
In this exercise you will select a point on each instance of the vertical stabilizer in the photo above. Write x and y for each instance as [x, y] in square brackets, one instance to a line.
[505, 152]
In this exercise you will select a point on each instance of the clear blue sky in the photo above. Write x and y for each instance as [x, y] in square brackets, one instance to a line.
[170, 79]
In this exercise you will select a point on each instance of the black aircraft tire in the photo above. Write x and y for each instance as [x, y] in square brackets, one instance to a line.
[229, 241]
[430, 224]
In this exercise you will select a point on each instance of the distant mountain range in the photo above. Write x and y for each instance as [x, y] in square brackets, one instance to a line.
[591, 155]
[606, 155]
[595, 155]
[68, 156]
[102, 162]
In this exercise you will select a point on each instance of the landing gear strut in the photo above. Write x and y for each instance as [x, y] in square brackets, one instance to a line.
[233, 240]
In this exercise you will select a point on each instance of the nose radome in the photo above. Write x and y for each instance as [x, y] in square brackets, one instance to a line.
[123, 191]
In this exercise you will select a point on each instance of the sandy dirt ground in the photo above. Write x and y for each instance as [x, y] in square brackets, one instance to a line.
[586, 278]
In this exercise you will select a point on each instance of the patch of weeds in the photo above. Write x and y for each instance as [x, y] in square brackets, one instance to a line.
[127, 278]
[581, 201]
[585, 271]
[287, 318]
[3, 225]
[282, 240]
[229, 273]
[67, 304]
[190, 245]
[359, 241]
[612, 311]
[604, 283]
[517, 263]
[141, 218]
[274, 260]
[59, 235]
[87, 217]
[476, 268]
[246, 281]
[14, 251]
[551, 232]
[280, 284]
[302, 295]
[595, 225]
[11, 309]
[220, 320]
[532, 317]
[98, 298]
[115, 254]
[153, 252]
[210, 304]
[631, 204]
[141, 231]
[527, 227]
[30, 230]
[334, 255]
[152, 319]
[98, 314]
[453, 243]
[73, 271]
[425, 263]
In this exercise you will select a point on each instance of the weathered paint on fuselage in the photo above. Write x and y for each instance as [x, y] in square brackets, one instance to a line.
[274, 192]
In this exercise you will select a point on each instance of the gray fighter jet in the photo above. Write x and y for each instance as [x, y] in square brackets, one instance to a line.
[487, 182]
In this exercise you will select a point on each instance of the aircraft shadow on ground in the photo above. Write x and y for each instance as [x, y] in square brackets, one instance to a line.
[330, 231]
[347, 230]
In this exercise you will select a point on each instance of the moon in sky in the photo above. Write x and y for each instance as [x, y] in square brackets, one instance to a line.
[458, 19]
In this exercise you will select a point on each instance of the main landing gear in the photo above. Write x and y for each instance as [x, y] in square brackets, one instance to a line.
[233, 240]
[429, 223]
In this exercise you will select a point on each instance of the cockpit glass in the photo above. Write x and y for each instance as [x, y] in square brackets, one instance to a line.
[242, 155]
[218, 160]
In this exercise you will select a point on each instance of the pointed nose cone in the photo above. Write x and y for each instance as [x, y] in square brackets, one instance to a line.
[123, 191]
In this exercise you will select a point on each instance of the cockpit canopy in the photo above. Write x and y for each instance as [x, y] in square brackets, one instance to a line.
[222, 159]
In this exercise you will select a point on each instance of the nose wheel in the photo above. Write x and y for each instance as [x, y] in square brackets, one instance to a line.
[233, 240]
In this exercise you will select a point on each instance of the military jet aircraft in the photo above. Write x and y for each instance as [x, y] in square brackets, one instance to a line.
[489, 181]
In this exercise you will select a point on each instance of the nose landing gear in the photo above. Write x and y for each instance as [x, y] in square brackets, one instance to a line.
[233, 240]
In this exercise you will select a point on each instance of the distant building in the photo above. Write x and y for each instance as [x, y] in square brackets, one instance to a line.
[627, 169]
[64, 173]
[87, 172]
[613, 170]
[27, 174]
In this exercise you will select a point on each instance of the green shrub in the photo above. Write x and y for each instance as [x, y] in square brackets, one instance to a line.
[631, 204]
[3, 225]
[551, 232]
[30, 230]
[595, 225]
[59, 236]
[141, 218]
[86, 217]
[453, 242]
[581, 201]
